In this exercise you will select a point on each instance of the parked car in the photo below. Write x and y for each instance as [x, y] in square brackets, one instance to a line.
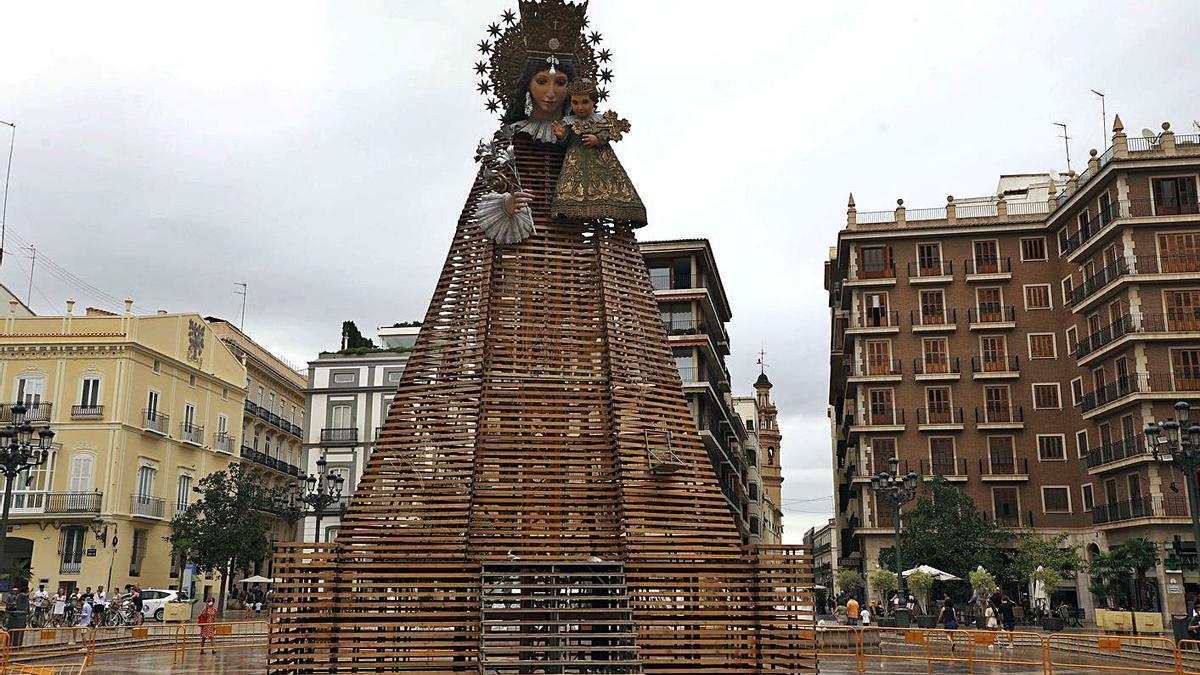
[154, 601]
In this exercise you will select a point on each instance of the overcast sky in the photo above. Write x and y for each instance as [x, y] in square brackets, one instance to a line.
[321, 152]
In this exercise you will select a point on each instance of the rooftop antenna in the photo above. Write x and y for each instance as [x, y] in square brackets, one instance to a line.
[1196, 125]
[32, 263]
[762, 363]
[1103, 118]
[1066, 143]
[242, 323]
[12, 140]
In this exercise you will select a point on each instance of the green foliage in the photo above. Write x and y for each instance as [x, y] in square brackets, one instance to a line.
[849, 581]
[371, 350]
[1058, 559]
[982, 581]
[920, 584]
[19, 574]
[1110, 572]
[945, 530]
[226, 528]
[883, 582]
[352, 338]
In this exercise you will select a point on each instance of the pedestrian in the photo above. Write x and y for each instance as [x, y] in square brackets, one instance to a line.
[99, 601]
[991, 621]
[852, 611]
[60, 608]
[1193, 628]
[839, 614]
[948, 617]
[208, 628]
[865, 616]
[85, 612]
[256, 601]
[1008, 617]
[16, 608]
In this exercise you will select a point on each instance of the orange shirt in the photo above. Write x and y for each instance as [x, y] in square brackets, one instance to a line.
[852, 608]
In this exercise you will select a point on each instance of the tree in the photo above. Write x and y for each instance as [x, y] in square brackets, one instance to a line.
[226, 528]
[1139, 554]
[920, 583]
[945, 530]
[982, 582]
[849, 581]
[1049, 561]
[883, 582]
[1108, 571]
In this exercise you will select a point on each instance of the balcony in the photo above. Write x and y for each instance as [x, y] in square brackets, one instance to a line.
[1143, 507]
[1116, 451]
[943, 418]
[992, 317]
[1010, 517]
[73, 502]
[875, 321]
[988, 269]
[874, 273]
[1004, 470]
[223, 442]
[878, 370]
[944, 369]
[87, 412]
[70, 566]
[934, 273]
[34, 412]
[1168, 263]
[147, 506]
[155, 422]
[263, 459]
[1106, 335]
[691, 377]
[268, 416]
[191, 434]
[1000, 417]
[1093, 284]
[954, 470]
[995, 368]
[885, 420]
[1081, 237]
[932, 322]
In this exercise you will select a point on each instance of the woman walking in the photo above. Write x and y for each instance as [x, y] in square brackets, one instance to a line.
[948, 617]
[208, 628]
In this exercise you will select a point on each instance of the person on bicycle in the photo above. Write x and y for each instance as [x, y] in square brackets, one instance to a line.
[137, 599]
[59, 608]
[99, 601]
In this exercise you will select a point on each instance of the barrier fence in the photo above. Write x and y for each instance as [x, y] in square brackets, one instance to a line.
[22, 648]
[846, 649]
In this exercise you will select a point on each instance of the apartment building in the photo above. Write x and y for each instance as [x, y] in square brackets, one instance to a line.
[1018, 344]
[822, 541]
[142, 407]
[346, 401]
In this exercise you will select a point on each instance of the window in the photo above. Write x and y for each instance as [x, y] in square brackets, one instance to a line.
[189, 416]
[933, 308]
[183, 494]
[1066, 285]
[261, 391]
[72, 549]
[341, 416]
[1042, 346]
[1056, 499]
[1089, 500]
[1037, 296]
[882, 449]
[1173, 196]
[82, 468]
[222, 425]
[660, 277]
[152, 404]
[191, 380]
[881, 407]
[1007, 505]
[256, 439]
[1050, 448]
[879, 357]
[90, 395]
[1000, 453]
[994, 352]
[1185, 369]
[1045, 396]
[292, 418]
[271, 402]
[875, 309]
[941, 456]
[145, 481]
[1135, 487]
[987, 257]
[1072, 334]
[1183, 310]
[32, 494]
[1084, 217]
[1033, 248]
[754, 527]
[157, 366]
[1081, 443]
[935, 353]
[938, 409]
[1076, 390]
[876, 262]
[30, 390]
[343, 378]
[752, 491]
[1179, 252]
[137, 552]
[996, 404]
[929, 260]
[991, 304]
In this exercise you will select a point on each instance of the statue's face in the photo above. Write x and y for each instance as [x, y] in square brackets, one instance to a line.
[582, 105]
[548, 92]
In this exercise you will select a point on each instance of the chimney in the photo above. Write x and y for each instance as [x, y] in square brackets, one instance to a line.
[129, 305]
[162, 312]
[70, 306]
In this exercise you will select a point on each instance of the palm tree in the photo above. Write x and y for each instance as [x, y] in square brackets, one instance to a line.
[1139, 554]
[1107, 570]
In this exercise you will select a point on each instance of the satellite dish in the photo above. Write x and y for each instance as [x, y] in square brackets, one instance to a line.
[1146, 133]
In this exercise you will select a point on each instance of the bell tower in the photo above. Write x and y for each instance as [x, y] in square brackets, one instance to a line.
[769, 438]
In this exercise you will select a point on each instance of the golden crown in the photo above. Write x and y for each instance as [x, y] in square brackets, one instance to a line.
[550, 30]
[581, 86]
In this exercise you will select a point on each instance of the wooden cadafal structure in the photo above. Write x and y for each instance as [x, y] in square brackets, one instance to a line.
[540, 501]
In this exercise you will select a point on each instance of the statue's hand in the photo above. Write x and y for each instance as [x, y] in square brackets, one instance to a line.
[590, 140]
[560, 131]
[517, 201]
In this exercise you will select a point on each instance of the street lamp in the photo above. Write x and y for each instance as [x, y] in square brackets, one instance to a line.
[892, 488]
[19, 453]
[319, 491]
[1178, 443]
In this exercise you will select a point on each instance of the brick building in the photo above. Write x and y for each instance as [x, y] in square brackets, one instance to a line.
[1018, 345]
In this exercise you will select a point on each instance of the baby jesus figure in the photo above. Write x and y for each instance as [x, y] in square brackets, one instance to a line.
[592, 184]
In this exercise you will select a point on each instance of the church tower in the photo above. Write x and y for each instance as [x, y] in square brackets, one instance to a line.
[769, 438]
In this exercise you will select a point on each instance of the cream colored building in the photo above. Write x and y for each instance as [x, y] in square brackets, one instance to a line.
[273, 417]
[143, 407]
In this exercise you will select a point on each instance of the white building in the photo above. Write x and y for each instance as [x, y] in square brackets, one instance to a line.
[347, 401]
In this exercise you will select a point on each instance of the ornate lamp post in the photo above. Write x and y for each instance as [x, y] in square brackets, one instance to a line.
[19, 453]
[892, 488]
[319, 491]
[1177, 442]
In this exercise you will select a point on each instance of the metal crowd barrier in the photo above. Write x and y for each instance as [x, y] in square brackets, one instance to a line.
[30, 644]
[1111, 653]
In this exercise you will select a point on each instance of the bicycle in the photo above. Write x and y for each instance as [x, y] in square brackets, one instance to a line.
[39, 616]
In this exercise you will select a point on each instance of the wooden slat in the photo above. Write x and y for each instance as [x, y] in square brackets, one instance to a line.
[520, 432]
